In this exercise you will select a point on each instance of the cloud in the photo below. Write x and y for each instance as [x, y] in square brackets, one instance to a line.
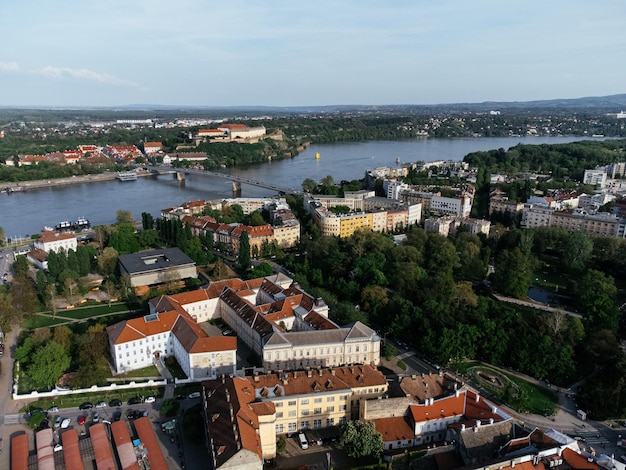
[85, 74]
[9, 67]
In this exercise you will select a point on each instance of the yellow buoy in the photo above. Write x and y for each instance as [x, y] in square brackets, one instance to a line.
[317, 155]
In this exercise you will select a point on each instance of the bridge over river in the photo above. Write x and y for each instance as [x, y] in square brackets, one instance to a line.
[237, 180]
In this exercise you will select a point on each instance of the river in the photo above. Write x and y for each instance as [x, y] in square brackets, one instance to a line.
[25, 213]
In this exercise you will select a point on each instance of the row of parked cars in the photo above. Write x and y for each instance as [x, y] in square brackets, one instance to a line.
[102, 404]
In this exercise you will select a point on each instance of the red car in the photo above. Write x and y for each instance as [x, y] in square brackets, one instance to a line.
[82, 419]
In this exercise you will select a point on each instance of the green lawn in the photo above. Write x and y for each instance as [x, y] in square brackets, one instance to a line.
[38, 321]
[515, 392]
[150, 371]
[80, 313]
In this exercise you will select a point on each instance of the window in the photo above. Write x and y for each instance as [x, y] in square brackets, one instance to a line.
[343, 397]
[292, 426]
[292, 413]
[317, 411]
[317, 400]
[330, 409]
[279, 404]
[330, 422]
[342, 420]
[279, 428]
[291, 403]
[304, 402]
[330, 399]
[304, 425]
[279, 414]
[305, 412]
[317, 424]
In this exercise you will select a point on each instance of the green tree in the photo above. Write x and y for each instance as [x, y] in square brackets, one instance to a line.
[244, 251]
[124, 217]
[596, 300]
[170, 407]
[107, 261]
[360, 439]
[513, 273]
[20, 266]
[576, 252]
[309, 185]
[48, 364]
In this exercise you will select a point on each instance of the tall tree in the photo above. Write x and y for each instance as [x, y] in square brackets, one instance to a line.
[360, 439]
[244, 251]
[48, 364]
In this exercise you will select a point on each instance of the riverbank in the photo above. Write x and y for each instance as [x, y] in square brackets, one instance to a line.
[8, 187]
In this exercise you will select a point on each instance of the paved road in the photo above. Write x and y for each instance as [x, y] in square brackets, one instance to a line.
[537, 305]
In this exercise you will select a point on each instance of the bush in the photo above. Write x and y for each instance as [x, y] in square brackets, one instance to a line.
[170, 407]
[402, 365]
[281, 445]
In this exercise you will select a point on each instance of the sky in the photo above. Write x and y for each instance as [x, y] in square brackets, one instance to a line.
[66, 53]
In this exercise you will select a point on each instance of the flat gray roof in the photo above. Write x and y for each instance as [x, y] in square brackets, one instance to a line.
[154, 260]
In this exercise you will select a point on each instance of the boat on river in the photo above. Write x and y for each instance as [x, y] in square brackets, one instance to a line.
[66, 225]
[127, 176]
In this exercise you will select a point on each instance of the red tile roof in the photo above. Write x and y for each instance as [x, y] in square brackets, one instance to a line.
[394, 429]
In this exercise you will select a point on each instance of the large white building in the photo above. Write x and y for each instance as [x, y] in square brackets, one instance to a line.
[596, 177]
[285, 326]
[137, 343]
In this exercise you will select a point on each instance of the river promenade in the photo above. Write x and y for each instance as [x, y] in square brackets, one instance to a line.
[51, 183]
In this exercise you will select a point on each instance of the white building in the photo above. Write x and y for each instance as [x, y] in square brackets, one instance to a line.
[55, 241]
[137, 343]
[596, 177]
[459, 206]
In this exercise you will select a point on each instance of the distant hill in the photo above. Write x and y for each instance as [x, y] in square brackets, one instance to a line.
[595, 104]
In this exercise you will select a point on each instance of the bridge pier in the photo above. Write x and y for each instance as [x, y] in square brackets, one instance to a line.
[236, 188]
[180, 176]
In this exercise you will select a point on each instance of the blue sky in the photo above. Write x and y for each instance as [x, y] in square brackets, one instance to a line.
[296, 53]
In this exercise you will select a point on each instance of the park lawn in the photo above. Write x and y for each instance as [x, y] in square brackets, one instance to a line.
[150, 371]
[97, 310]
[531, 398]
[38, 321]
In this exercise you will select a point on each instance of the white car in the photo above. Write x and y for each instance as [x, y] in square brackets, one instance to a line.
[149, 400]
[65, 423]
[194, 395]
[53, 409]
[101, 404]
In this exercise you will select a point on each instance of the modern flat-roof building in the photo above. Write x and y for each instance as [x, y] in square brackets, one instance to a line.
[159, 266]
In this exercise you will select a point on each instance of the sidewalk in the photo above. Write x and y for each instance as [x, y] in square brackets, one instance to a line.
[166, 374]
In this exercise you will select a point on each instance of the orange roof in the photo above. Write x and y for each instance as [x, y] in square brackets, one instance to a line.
[443, 408]
[577, 461]
[71, 450]
[48, 236]
[101, 447]
[233, 126]
[394, 429]
[149, 440]
[138, 328]
[152, 144]
[124, 446]
[19, 452]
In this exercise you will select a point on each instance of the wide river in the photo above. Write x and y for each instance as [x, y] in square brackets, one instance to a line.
[22, 214]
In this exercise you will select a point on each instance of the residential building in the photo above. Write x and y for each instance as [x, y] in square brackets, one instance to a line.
[150, 148]
[460, 206]
[50, 240]
[596, 177]
[601, 224]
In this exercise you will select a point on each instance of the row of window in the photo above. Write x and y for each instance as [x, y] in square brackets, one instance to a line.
[304, 425]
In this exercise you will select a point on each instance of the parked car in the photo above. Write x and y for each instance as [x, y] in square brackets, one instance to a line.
[85, 406]
[101, 404]
[57, 421]
[58, 447]
[65, 423]
[53, 409]
[149, 400]
[82, 419]
[194, 395]
[135, 401]
[115, 402]
[117, 416]
[95, 417]
[227, 332]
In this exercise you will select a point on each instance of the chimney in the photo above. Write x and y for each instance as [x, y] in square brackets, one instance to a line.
[477, 398]
[332, 371]
[477, 423]
[494, 410]
[490, 420]
[256, 378]
[457, 393]
[432, 400]
[462, 427]
[309, 374]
